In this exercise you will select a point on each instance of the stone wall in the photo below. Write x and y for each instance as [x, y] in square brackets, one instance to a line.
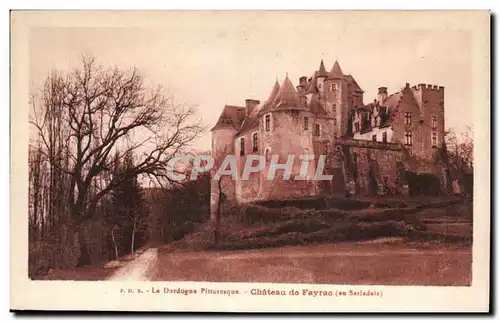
[288, 138]
[371, 165]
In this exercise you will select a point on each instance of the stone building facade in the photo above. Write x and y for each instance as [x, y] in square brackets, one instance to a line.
[325, 115]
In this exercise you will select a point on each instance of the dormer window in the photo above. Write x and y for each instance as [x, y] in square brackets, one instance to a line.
[333, 87]
[356, 126]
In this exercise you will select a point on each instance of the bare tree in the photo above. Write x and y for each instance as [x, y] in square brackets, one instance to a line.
[105, 111]
[460, 151]
[36, 183]
[139, 222]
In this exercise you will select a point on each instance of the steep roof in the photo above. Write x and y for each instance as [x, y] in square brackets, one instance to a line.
[336, 71]
[392, 101]
[252, 120]
[355, 85]
[313, 88]
[317, 109]
[272, 96]
[322, 70]
[231, 116]
[386, 111]
[287, 96]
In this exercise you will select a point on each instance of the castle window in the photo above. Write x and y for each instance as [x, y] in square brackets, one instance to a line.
[255, 142]
[407, 118]
[356, 127]
[306, 123]
[242, 146]
[334, 108]
[408, 138]
[268, 154]
[333, 87]
[434, 122]
[267, 122]
[374, 137]
[384, 137]
[335, 122]
[434, 139]
[317, 130]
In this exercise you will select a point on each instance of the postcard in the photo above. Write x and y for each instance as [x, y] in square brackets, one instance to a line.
[250, 161]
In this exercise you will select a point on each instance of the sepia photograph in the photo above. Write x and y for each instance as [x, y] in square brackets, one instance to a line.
[270, 154]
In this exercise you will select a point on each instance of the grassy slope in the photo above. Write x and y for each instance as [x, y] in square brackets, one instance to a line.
[437, 256]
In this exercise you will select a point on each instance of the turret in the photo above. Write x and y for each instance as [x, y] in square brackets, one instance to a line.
[336, 71]
[382, 94]
[320, 77]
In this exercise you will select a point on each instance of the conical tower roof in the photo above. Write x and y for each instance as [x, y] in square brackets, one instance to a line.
[312, 85]
[322, 70]
[274, 92]
[287, 95]
[336, 71]
[272, 97]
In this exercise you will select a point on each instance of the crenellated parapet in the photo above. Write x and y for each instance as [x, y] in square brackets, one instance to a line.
[428, 87]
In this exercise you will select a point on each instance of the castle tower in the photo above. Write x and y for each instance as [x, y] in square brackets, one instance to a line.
[320, 79]
[336, 97]
[223, 134]
[290, 133]
[430, 102]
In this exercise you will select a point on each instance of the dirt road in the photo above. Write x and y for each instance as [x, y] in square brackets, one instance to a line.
[383, 264]
[323, 264]
[137, 269]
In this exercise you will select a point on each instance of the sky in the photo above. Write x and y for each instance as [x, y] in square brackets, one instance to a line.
[212, 59]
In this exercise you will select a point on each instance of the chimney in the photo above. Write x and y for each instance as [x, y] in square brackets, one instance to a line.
[382, 94]
[303, 81]
[250, 105]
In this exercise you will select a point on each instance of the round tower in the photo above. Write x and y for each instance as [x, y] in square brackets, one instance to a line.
[223, 135]
[289, 138]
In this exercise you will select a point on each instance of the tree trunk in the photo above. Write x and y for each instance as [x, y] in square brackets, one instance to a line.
[84, 258]
[114, 242]
[218, 213]
[133, 240]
